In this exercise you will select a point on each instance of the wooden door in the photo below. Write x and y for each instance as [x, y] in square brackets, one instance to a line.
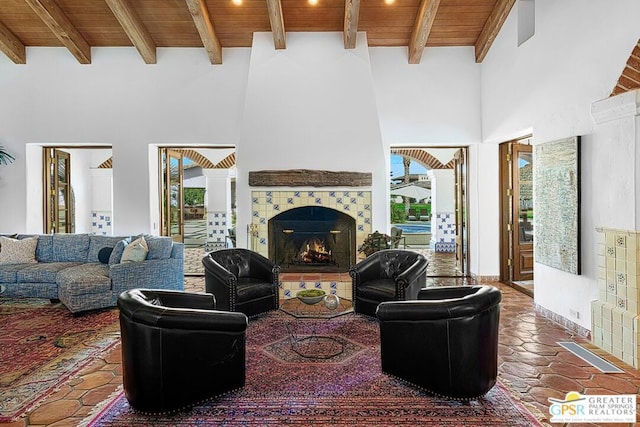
[522, 220]
[172, 209]
[460, 172]
[58, 203]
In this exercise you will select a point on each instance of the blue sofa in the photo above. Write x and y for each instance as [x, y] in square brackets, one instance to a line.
[68, 269]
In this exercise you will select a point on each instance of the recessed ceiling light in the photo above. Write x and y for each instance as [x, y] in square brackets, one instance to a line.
[237, 2]
[313, 2]
[389, 2]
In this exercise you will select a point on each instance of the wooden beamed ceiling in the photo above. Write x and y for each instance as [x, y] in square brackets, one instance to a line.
[79, 25]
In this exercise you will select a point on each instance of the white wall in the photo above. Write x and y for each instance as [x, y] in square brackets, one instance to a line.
[436, 102]
[548, 85]
[310, 106]
[119, 101]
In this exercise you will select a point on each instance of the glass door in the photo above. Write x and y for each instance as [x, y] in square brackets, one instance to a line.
[523, 235]
[58, 204]
[172, 209]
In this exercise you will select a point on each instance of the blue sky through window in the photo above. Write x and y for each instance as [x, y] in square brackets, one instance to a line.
[397, 169]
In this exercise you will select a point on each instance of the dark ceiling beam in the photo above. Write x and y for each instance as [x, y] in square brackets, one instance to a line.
[274, 8]
[11, 46]
[204, 25]
[421, 29]
[492, 27]
[135, 29]
[351, 16]
[54, 18]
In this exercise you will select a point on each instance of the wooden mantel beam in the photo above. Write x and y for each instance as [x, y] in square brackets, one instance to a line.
[421, 29]
[202, 19]
[54, 18]
[11, 46]
[351, 16]
[492, 28]
[277, 23]
[135, 29]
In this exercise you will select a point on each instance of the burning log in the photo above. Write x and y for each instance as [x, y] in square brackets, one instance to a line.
[315, 252]
[317, 257]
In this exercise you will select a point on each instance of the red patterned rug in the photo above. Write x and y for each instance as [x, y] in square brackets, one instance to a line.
[42, 345]
[348, 389]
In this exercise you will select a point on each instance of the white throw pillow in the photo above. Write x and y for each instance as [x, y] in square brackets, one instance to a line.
[18, 251]
[135, 251]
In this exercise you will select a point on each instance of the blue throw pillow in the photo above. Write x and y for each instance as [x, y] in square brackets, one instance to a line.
[159, 246]
[104, 254]
[97, 243]
[118, 249]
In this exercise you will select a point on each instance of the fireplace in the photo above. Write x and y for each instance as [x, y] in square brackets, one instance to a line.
[312, 238]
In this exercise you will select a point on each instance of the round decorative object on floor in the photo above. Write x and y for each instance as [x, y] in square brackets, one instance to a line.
[331, 301]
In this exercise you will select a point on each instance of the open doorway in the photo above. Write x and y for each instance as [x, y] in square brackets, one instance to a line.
[428, 187]
[516, 215]
[77, 189]
[197, 200]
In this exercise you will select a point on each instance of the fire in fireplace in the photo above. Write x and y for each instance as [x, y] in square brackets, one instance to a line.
[312, 238]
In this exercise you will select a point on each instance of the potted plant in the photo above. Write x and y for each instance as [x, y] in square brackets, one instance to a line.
[5, 157]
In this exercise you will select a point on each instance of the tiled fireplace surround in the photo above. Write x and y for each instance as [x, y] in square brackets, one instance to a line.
[267, 204]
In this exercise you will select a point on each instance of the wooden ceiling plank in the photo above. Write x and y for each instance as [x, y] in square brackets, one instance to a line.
[135, 29]
[54, 18]
[11, 46]
[421, 29]
[492, 28]
[274, 8]
[204, 25]
[351, 15]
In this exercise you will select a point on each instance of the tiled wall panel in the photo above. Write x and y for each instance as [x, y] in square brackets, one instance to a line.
[614, 315]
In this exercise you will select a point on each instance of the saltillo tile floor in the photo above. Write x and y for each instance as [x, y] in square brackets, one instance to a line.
[531, 364]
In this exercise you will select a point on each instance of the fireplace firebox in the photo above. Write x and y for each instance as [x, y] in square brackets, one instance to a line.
[312, 238]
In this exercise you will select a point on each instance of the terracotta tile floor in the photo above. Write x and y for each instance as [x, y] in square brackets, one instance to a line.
[531, 365]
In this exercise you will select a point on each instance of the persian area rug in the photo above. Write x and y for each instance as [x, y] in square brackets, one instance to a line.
[42, 345]
[284, 388]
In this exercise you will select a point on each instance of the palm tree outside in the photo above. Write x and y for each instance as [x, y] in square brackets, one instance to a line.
[5, 157]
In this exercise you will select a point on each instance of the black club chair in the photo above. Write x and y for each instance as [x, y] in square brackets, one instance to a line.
[177, 350]
[445, 342]
[242, 280]
[387, 275]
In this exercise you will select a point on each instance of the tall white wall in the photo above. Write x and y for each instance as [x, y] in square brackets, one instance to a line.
[310, 106]
[547, 86]
[118, 101]
[436, 102]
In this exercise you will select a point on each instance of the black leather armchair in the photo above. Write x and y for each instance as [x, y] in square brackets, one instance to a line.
[177, 350]
[242, 280]
[446, 342]
[387, 275]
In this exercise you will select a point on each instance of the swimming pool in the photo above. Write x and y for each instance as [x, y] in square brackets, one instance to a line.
[413, 228]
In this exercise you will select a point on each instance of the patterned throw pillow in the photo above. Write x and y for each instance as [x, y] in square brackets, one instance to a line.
[135, 251]
[18, 251]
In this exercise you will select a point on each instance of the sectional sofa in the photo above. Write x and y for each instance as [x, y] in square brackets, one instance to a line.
[67, 267]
